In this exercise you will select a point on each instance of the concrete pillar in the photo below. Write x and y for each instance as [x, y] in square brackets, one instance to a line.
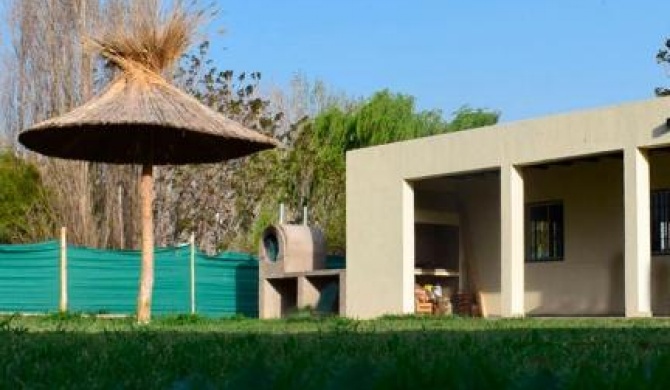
[343, 292]
[512, 241]
[637, 242]
[269, 303]
[407, 248]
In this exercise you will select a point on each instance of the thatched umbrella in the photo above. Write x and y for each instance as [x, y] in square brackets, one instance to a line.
[141, 119]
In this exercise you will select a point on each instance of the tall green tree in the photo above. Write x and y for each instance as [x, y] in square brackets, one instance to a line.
[312, 172]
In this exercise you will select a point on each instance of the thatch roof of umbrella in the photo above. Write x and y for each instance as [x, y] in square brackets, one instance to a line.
[142, 119]
[134, 116]
[141, 112]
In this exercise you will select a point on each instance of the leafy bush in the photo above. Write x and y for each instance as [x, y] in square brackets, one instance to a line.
[22, 200]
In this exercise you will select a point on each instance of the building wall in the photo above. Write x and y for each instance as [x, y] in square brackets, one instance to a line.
[589, 279]
[481, 236]
[378, 281]
[660, 265]
[380, 204]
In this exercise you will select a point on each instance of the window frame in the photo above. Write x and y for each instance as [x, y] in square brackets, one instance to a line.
[529, 242]
[664, 210]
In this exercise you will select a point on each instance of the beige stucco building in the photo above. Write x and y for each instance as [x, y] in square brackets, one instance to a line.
[563, 215]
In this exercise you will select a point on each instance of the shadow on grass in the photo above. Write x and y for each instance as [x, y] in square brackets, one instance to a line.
[336, 358]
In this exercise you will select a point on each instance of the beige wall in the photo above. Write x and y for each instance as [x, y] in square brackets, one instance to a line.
[481, 236]
[589, 280]
[375, 279]
[660, 282]
[380, 203]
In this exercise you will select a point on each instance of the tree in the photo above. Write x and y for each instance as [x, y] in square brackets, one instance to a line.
[98, 202]
[54, 74]
[22, 213]
[469, 118]
[267, 178]
[199, 199]
[663, 58]
[312, 171]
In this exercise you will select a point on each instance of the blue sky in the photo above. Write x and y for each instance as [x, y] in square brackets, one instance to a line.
[525, 58]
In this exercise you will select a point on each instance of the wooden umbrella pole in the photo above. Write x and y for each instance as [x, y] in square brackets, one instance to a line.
[147, 272]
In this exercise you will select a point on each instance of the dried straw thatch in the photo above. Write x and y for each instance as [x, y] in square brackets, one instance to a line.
[141, 118]
[134, 117]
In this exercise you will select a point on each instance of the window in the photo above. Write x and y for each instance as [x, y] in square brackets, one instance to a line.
[660, 222]
[544, 234]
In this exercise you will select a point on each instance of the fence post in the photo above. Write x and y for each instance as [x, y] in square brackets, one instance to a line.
[63, 270]
[192, 242]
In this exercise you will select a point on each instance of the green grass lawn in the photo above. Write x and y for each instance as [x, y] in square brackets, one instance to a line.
[302, 353]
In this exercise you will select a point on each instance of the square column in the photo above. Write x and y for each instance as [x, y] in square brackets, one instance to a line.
[637, 243]
[407, 248]
[512, 241]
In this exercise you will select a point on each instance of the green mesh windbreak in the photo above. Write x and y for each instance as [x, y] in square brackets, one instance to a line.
[106, 281]
[227, 284]
[29, 277]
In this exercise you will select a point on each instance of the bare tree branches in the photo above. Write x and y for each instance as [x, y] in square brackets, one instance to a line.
[53, 75]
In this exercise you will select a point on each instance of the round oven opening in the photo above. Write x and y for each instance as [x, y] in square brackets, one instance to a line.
[271, 245]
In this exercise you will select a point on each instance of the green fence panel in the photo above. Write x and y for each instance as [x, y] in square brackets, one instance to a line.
[106, 281]
[172, 283]
[101, 281]
[227, 285]
[29, 277]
